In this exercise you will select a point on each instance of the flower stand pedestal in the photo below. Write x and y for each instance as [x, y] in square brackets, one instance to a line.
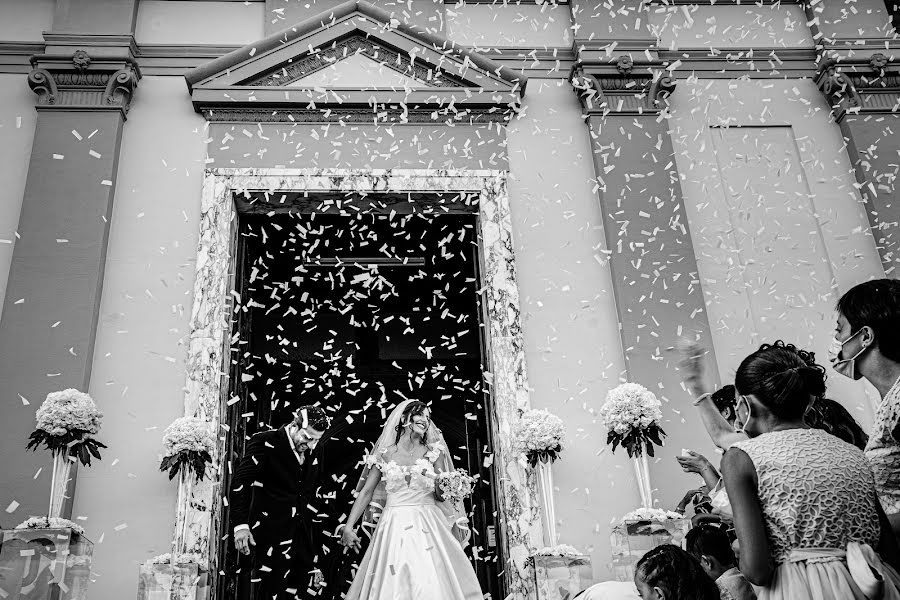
[561, 577]
[172, 582]
[631, 540]
[44, 564]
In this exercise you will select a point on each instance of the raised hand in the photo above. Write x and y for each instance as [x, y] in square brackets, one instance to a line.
[693, 462]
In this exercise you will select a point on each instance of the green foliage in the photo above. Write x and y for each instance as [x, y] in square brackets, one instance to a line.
[189, 461]
[637, 440]
[72, 443]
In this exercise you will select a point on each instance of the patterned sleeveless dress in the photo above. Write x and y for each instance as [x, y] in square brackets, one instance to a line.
[883, 451]
[819, 504]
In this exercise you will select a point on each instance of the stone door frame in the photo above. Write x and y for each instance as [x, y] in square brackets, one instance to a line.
[206, 388]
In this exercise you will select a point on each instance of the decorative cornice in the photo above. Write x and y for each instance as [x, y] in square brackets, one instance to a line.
[357, 44]
[78, 81]
[385, 116]
[864, 86]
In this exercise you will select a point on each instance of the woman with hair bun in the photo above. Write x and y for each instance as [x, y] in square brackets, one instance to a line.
[806, 511]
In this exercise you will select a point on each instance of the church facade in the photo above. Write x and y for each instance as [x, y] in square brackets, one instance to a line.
[226, 208]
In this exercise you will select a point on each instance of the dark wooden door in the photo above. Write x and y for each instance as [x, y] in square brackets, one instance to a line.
[357, 313]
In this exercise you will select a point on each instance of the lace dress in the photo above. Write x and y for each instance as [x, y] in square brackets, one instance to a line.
[819, 506]
[413, 554]
[883, 451]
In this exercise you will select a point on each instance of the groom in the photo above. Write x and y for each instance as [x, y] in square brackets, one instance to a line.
[269, 497]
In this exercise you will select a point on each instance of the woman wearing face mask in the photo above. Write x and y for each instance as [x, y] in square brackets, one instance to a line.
[805, 507]
[867, 345]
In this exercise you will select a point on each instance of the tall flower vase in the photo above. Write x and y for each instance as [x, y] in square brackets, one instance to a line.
[545, 485]
[642, 474]
[181, 534]
[59, 483]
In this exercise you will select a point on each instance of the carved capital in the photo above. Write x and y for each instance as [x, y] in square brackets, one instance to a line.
[622, 91]
[120, 88]
[81, 59]
[837, 87]
[624, 65]
[662, 87]
[41, 83]
[79, 81]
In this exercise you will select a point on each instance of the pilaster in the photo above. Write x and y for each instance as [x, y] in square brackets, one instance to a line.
[864, 95]
[84, 84]
[651, 256]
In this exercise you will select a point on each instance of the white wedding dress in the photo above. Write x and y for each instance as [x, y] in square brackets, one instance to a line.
[414, 554]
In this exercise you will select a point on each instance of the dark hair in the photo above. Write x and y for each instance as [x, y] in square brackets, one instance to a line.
[829, 415]
[676, 573]
[312, 416]
[876, 304]
[710, 540]
[723, 398]
[783, 377]
[416, 407]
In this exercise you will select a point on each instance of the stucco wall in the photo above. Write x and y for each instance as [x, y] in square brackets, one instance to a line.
[744, 309]
[138, 369]
[25, 20]
[176, 22]
[17, 119]
[572, 342]
[356, 146]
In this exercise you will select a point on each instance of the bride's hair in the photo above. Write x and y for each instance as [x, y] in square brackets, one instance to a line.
[412, 409]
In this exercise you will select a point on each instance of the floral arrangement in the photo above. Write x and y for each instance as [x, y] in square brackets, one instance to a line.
[652, 514]
[562, 550]
[188, 445]
[632, 414]
[539, 435]
[50, 523]
[456, 486]
[66, 424]
[177, 559]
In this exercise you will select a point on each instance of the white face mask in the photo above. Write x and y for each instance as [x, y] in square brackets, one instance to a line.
[743, 427]
[844, 366]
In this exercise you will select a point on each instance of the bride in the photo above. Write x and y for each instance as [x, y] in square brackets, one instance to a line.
[416, 551]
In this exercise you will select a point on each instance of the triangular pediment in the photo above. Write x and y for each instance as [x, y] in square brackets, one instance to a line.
[351, 56]
[359, 70]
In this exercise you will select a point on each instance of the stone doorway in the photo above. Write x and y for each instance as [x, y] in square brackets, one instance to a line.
[481, 194]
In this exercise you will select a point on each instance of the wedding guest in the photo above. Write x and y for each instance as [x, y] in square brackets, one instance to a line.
[866, 345]
[669, 573]
[710, 501]
[710, 545]
[719, 417]
[804, 502]
[829, 415]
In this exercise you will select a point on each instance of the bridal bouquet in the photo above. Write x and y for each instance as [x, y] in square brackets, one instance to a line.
[188, 445]
[66, 424]
[456, 486]
[632, 414]
[539, 436]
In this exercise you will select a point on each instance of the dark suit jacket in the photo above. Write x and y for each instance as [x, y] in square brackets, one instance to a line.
[270, 492]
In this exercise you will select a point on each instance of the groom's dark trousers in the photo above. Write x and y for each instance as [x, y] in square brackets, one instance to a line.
[270, 493]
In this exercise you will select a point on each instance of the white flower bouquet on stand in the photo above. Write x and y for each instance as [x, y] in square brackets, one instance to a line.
[560, 571]
[45, 558]
[67, 422]
[173, 577]
[632, 414]
[188, 448]
[538, 437]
